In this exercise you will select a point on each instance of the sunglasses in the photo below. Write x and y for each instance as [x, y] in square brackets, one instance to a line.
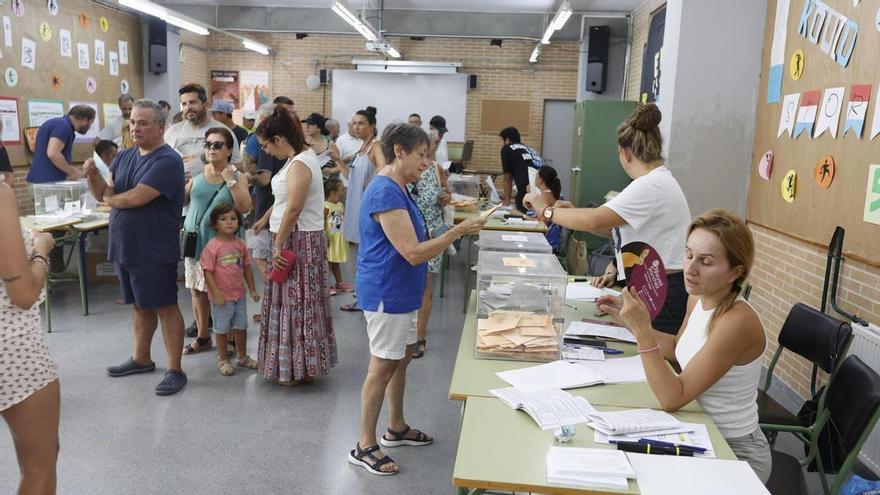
[215, 145]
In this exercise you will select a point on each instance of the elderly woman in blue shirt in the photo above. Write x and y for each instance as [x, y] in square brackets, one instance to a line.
[391, 272]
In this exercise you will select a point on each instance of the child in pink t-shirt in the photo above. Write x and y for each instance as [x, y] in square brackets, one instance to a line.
[226, 264]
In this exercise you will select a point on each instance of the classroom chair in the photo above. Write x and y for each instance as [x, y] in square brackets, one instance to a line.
[853, 407]
[820, 339]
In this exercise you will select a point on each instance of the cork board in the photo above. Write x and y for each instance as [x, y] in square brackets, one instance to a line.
[815, 211]
[498, 114]
[83, 20]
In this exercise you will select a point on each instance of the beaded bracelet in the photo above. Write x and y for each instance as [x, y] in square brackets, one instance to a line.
[42, 259]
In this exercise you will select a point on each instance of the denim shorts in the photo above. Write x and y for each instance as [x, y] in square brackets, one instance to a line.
[230, 316]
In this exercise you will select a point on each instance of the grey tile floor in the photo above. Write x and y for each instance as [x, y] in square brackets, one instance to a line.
[238, 434]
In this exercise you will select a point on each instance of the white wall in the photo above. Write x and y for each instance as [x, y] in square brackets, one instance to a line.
[711, 65]
[163, 86]
[616, 70]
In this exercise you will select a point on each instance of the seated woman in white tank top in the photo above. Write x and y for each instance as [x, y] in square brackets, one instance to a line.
[720, 344]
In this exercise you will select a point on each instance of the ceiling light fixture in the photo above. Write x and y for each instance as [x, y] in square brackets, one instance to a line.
[166, 15]
[257, 47]
[355, 21]
[558, 22]
[533, 59]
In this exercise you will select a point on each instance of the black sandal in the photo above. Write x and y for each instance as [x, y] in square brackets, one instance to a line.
[420, 344]
[357, 455]
[204, 344]
[399, 438]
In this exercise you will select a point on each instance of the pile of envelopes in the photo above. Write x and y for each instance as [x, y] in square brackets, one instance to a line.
[529, 335]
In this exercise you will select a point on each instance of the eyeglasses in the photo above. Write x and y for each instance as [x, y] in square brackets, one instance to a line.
[214, 145]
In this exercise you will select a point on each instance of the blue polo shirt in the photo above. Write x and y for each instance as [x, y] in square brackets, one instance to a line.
[263, 198]
[383, 275]
[42, 169]
[149, 235]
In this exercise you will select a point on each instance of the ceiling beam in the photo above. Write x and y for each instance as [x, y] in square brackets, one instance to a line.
[397, 22]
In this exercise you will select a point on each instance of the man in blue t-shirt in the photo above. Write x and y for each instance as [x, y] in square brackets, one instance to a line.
[54, 146]
[262, 167]
[146, 196]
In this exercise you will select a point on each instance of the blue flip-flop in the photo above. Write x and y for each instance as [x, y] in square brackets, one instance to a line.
[173, 382]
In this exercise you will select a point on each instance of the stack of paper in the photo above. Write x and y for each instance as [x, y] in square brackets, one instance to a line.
[699, 437]
[521, 222]
[618, 370]
[588, 467]
[662, 474]
[558, 374]
[532, 335]
[549, 408]
[598, 328]
[582, 291]
[642, 421]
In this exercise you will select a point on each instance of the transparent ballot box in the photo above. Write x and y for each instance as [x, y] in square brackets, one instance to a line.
[59, 197]
[520, 306]
[465, 185]
[513, 242]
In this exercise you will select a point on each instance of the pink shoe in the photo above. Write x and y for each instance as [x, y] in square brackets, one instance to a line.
[333, 291]
[344, 287]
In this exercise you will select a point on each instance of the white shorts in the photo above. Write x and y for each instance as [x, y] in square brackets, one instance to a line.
[194, 276]
[260, 244]
[389, 334]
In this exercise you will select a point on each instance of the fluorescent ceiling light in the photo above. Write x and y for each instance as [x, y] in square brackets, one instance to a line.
[393, 52]
[166, 15]
[355, 21]
[537, 51]
[257, 47]
[557, 23]
[184, 24]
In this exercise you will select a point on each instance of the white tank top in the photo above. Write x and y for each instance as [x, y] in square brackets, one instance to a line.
[312, 216]
[731, 401]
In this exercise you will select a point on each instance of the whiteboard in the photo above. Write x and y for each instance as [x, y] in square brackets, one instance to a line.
[395, 96]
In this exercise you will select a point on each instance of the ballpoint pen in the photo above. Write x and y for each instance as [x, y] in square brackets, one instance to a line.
[661, 443]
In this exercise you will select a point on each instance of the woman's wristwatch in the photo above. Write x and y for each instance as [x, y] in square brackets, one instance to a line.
[547, 214]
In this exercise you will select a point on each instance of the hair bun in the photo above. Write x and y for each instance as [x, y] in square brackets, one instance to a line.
[371, 111]
[647, 117]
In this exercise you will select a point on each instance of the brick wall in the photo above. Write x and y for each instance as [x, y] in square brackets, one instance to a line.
[503, 73]
[641, 23]
[194, 59]
[788, 271]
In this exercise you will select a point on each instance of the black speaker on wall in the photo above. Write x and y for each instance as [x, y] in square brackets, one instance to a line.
[324, 76]
[597, 58]
[157, 46]
[472, 81]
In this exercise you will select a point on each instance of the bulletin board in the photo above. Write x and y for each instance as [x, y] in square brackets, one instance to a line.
[58, 77]
[498, 114]
[815, 211]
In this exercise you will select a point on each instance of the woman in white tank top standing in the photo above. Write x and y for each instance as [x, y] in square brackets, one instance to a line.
[720, 344]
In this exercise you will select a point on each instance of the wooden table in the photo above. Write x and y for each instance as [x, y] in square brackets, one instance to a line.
[474, 377]
[503, 449]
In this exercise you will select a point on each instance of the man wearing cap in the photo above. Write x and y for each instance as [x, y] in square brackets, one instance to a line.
[248, 121]
[221, 110]
[438, 126]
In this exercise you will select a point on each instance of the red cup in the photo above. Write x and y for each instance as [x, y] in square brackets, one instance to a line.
[279, 274]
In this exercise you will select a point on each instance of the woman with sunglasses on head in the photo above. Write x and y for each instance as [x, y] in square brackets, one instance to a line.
[296, 331]
[218, 183]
